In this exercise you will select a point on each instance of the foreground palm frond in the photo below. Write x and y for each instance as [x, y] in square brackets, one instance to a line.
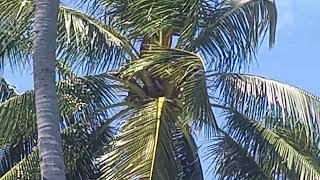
[152, 146]
[6, 92]
[145, 148]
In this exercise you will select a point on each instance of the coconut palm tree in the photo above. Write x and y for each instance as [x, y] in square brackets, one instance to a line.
[48, 131]
[159, 72]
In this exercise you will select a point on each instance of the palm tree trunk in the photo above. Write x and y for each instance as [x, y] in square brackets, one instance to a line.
[44, 47]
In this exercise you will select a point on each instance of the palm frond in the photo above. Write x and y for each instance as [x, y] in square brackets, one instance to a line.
[258, 97]
[6, 92]
[229, 160]
[82, 40]
[64, 71]
[15, 32]
[78, 97]
[269, 145]
[145, 19]
[81, 144]
[85, 41]
[28, 168]
[144, 149]
[181, 75]
[230, 33]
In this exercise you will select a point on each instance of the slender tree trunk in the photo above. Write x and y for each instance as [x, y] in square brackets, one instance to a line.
[44, 47]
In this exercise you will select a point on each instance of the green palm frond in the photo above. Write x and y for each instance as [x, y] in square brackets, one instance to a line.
[146, 18]
[78, 97]
[15, 32]
[82, 40]
[144, 149]
[270, 145]
[81, 144]
[28, 168]
[89, 43]
[258, 97]
[153, 144]
[230, 33]
[6, 92]
[64, 71]
[229, 160]
[181, 76]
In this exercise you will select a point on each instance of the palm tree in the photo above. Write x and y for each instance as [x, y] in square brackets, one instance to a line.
[158, 72]
[48, 131]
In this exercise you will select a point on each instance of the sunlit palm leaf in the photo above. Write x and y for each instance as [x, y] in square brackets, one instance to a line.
[185, 72]
[144, 149]
[258, 97]
[15, 32]
[26, 169]
[230, 34]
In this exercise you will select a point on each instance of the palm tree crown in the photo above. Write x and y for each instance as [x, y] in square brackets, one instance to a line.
[140, 79]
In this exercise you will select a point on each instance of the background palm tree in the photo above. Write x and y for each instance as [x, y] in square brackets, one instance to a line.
[48, 131]
[158, 71]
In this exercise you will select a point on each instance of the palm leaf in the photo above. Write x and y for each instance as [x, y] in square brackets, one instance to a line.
[229, 160]
[64, 71]
[15, 32]
[232, 30]
[182, 76]
[82, 40]
[81, 144]
[88, 42]
[268, 144]
[144, 149]
[6, 92]
[147, 18]
[26, 169]
[258, 97]
[77, 98]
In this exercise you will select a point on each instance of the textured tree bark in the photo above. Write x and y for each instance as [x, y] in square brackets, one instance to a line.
[44, 47]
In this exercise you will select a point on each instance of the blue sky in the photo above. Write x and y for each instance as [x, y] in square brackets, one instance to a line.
[293, 60]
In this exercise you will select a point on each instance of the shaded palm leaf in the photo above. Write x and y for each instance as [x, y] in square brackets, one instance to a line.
[6, 92]
[269, 145]
[80, 145]
[147, 18]
[229, 160]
